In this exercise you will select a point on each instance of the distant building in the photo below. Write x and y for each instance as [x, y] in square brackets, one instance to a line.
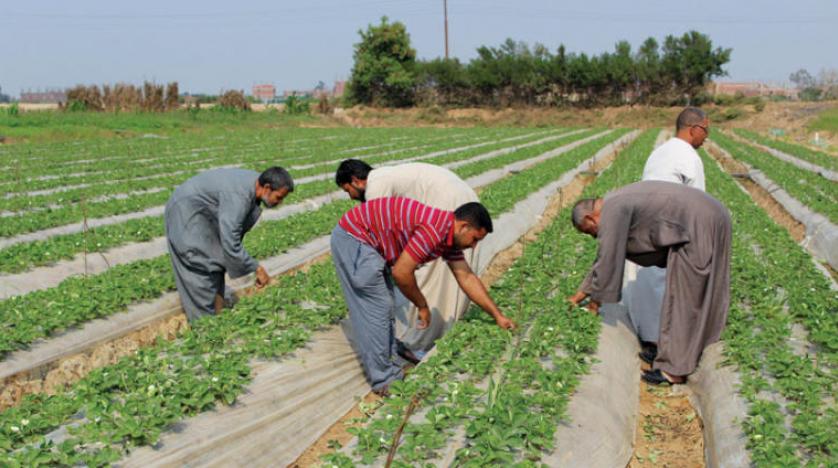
[264, 92]
[53, 96]
[751, 89]
[4, 97]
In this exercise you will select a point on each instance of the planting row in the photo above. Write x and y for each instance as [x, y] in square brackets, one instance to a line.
[236, 148]
[815, 157]
[128, 404]
[23, 256]
[28, 317]
[66, 214]
[779, 298]
[489, 397]
[814, 191]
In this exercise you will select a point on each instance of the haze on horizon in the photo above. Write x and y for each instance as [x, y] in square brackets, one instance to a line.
[210, 46]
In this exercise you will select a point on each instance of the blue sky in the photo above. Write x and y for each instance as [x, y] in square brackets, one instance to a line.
[211, 45]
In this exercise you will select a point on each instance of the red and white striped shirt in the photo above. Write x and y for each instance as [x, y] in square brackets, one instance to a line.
[392, 225]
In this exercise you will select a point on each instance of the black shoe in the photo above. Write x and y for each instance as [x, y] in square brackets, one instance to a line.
[655, 377]
[648, 355]
[406, 354]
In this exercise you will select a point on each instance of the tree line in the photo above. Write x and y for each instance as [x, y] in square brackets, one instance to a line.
[387, 73]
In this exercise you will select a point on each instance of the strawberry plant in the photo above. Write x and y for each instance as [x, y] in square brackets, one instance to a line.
[127, 404]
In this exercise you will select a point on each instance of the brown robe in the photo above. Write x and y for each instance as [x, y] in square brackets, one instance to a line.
[684, 230]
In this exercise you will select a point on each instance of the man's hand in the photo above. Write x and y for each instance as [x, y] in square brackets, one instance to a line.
[262, 278]
[424, 318]
[577, 298]
[593, 307]
[505, 323]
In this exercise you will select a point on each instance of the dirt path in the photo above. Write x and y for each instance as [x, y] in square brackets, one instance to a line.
[669, 432]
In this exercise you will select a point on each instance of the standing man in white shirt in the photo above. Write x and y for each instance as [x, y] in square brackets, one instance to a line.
[675, 161]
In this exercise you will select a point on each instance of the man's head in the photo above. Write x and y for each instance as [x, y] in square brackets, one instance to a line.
[273, 186]
[585, 216]
[351, 176]
[472, 223]
[692, 126]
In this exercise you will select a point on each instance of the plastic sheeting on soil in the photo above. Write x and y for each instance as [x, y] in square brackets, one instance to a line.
[821, 234]
[805, 165]
[601, 416]
[226, 441]
[50, 276]
[713, 393]
[44, 365]
[71, 355]
[286, 408]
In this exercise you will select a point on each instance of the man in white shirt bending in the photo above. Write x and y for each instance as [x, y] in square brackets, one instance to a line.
[675, 161]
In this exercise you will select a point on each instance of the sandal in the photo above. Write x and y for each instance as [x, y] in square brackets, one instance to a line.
[657, 377]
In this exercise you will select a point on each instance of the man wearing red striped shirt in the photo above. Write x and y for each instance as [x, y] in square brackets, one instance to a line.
[384, 241]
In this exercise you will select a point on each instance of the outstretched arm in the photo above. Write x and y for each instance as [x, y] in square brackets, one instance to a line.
[476, 291]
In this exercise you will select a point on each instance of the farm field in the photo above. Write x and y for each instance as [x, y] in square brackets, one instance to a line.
[82, 244]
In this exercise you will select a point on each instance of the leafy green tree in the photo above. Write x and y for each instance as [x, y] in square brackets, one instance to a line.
[383, 74]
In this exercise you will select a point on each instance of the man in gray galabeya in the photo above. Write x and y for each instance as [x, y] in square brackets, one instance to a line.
[665, 225]
[206, 220]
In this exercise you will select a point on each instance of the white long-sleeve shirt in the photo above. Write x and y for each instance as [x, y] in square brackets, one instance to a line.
[675, 161]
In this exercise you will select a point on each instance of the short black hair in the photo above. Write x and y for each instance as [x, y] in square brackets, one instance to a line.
[277, 178]
[475, 214]
[350, 168]
[688, 117]
[581, 209]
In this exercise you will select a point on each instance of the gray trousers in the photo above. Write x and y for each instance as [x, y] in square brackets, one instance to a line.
[368, 289]
[196, 286]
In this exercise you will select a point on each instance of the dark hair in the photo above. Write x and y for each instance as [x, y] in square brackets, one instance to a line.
[582, 208]
[277, 178]
[688, 117]
[350, 168]
[475, 214]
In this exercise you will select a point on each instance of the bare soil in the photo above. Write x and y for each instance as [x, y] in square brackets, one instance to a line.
[669, 432]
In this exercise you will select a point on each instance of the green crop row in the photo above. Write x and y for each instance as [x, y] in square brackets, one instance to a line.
[816, 192]
[23, 256]
[110, 155]
[129, 404]
[30, 222]
[22, 317]
[236, 150]
[506, 392]
[815, 157]
[775, 284]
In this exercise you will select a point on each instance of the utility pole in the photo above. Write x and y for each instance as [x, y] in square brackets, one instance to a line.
[445, 9]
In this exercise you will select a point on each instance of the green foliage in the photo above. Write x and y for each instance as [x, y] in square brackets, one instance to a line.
[296, 105]
[813, 190]
[383, 74]
[791, 421]
[130, 403]
[825, 121]
[13, 110]
[507, 393]
[514, 73]
[815, 157]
